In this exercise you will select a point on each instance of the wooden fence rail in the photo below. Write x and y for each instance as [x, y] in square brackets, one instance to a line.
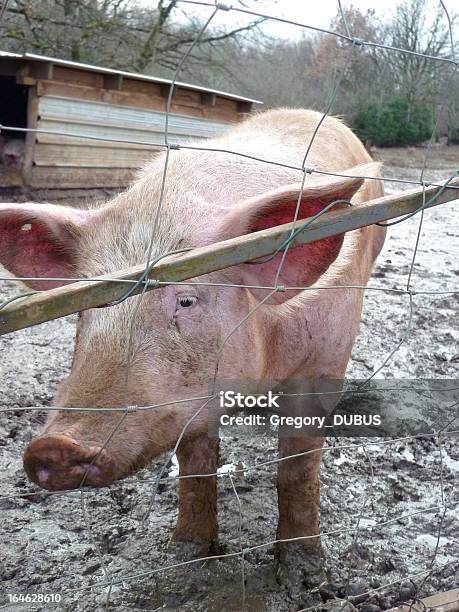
[81, 295]
[447, 601]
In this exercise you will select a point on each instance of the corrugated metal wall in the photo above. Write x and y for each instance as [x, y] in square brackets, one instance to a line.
[55, 155]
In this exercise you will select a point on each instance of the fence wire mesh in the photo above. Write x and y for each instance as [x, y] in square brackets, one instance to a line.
[361, 528]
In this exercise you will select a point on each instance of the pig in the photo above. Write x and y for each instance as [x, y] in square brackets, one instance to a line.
[176, 334]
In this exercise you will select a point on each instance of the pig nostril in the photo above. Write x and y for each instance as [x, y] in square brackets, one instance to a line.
[42, 475]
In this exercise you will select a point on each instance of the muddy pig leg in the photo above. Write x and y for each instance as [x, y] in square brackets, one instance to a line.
[197, 527]
[300, 563]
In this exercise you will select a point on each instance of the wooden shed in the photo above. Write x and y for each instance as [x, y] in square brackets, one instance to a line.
[53, 95]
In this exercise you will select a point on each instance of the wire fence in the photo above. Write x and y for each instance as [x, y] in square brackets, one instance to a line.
[144, 282]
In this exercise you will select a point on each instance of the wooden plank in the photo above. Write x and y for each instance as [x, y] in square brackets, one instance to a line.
[57, 139]
[74, 297]
[136, 86]
[192, 111]
[75, 111]
[152, 100]
[224, 110]
[56, 130]
[228, 105]
[79, 178]
[222, 113]
[447, 601]
[187, 97]
[155, 145]
[60, 156]
[74, 75]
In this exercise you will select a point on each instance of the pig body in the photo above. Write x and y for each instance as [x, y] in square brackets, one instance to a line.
[166, 345]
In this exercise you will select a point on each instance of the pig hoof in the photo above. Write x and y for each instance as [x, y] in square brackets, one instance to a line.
[299, 567]
[186, 550]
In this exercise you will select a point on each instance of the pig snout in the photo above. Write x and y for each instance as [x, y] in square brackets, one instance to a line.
[57, 462]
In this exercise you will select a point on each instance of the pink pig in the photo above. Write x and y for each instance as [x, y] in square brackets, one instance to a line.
[209, 196]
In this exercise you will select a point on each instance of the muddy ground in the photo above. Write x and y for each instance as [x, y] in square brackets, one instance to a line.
[47, 546]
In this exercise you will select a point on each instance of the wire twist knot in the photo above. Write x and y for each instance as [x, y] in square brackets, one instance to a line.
[151, 282]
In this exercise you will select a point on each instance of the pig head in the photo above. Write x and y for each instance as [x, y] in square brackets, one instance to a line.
[169, 344]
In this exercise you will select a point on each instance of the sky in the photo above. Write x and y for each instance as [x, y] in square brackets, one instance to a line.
[316, 13]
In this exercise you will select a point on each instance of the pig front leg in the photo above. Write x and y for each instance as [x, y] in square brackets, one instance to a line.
[301, 562]
[197, 526]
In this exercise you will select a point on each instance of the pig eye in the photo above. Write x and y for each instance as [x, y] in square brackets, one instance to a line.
[185, 301]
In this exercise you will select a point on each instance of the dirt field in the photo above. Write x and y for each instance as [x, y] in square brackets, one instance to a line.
[55, 544]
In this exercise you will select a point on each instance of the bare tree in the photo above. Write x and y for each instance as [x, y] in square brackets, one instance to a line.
[335, 58]
[272, 70]
[117, 33]
[423, 30]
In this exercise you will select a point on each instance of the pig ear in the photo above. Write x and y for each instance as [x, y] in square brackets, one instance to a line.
[40, 240]
[303, 265]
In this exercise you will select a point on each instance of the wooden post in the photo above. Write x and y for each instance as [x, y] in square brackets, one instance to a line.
[31, 137]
